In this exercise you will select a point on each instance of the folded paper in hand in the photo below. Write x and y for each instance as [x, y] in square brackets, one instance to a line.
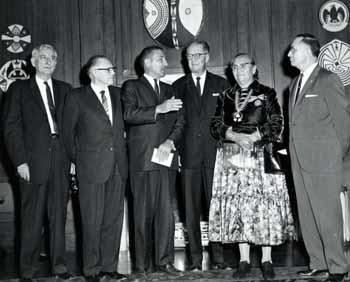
[162, 158]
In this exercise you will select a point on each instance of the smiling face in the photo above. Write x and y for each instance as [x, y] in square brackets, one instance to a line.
[243, 70]
[44, 60]
[197, 58]
[155, 64]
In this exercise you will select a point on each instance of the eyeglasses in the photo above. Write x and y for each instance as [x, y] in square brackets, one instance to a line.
[241, 66]
[195, 56]
[110, 69]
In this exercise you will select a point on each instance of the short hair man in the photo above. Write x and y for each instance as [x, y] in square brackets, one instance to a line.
[319, 124]
[199, 91]
[94, 137]
[32, 132]
[154, 120]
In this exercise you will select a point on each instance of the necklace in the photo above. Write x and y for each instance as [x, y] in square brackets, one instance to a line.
[237, 115]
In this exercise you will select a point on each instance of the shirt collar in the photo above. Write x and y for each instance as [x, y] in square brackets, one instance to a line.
[97, 89]
[150, 79]
[40, 81]
[202, 76]
[308, 71]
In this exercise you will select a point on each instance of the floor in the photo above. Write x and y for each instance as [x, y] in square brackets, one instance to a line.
[285, 267]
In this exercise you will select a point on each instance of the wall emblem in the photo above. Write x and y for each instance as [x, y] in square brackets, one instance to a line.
[11, 71]
[173, 23]
[334, 15]
[16, 38]
[335, 57]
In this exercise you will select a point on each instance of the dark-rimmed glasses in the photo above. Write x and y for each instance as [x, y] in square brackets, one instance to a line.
[195, 56]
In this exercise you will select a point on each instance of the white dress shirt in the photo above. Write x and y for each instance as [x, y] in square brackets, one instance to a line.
[201, 81]
[97, 90]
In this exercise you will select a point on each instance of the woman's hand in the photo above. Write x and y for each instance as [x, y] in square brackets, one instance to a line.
[246, 141]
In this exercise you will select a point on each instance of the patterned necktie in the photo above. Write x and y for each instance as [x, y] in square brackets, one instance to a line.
[297, 92]
[243, 95]
[104, 101]
[156, 88]
[51, 107]
[198, 85]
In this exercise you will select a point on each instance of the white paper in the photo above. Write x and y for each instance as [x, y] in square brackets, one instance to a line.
[161, 159]
[282, 152]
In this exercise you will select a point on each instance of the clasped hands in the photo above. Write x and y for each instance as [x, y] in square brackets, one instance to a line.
[246, 141]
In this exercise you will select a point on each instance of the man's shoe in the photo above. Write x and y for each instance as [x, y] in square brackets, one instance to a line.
[335, 277]
[114, 275]
[64, 276]
[24, 279]
[92, 278]
[220, 266]
[169, 270]
[243, 269]
[322, 273]
[139, 276]
[267, 270]
[195, 268]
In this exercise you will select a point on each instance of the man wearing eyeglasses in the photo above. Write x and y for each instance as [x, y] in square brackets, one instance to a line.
[32, 133]
[94, 136]
[199, 91]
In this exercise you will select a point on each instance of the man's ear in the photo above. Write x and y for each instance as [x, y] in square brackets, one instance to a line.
[32, 60]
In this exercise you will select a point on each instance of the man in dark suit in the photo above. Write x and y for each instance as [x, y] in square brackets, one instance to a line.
[319, 123]
[154, 120]
[94, 137]
[199, 91]
[32, 132]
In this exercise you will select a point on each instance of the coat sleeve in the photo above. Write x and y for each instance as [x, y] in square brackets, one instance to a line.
[272, 128]
[218, 127]
[13, 125]
[133, 112]
[70, 119]
[177, 131]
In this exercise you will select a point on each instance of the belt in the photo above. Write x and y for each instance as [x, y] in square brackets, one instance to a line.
[54, 135]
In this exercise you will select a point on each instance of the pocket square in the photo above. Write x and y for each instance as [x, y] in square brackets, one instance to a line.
[215, 94]
[311, 95]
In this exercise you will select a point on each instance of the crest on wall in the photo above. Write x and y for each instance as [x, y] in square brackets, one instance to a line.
[16, 38]
[335, 57]
[173, 23]
[334, 15]
[11, 71]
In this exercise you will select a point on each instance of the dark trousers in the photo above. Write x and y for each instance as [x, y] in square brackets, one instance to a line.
[102, 211]
[197, 187]
[320, 216]
[37, 200]
[152, 193]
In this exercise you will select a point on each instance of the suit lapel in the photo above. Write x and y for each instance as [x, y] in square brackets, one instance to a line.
[192, 91]
[93, 102]
[36, 94]
[151, 89]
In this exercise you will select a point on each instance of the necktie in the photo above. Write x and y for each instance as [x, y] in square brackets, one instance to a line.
[300, 79]
[156, 88]
[243, 95]
[51, 107]
[198, 85]
[104, 101]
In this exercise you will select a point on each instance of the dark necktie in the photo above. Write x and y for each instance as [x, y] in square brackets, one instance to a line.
[297, 92]
[156, 88]
[51, 107]
[104, 101]
[198, 86]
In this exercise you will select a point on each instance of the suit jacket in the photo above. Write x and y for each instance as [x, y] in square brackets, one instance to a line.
[145, 131]
[320, 122]
[95, 145]
[26, 127]
[198, 146]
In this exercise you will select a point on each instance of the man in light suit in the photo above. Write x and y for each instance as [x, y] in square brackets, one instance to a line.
[32, 133]
[199, 91]
[154, 120]
[94, 137]
[319, 123]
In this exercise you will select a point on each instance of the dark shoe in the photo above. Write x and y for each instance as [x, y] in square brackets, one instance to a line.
[114, 275]
[64, 276]
[243, 270]
[23, 279]
[267, 270]
[168, 269]
[335, 277]
[138, 276]
[313, 273]
[195, 268]
[220, 266]
[92, 278]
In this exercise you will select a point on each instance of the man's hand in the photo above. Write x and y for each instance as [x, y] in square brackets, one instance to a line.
[169, 105]
[23, 171]
[165, 149]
